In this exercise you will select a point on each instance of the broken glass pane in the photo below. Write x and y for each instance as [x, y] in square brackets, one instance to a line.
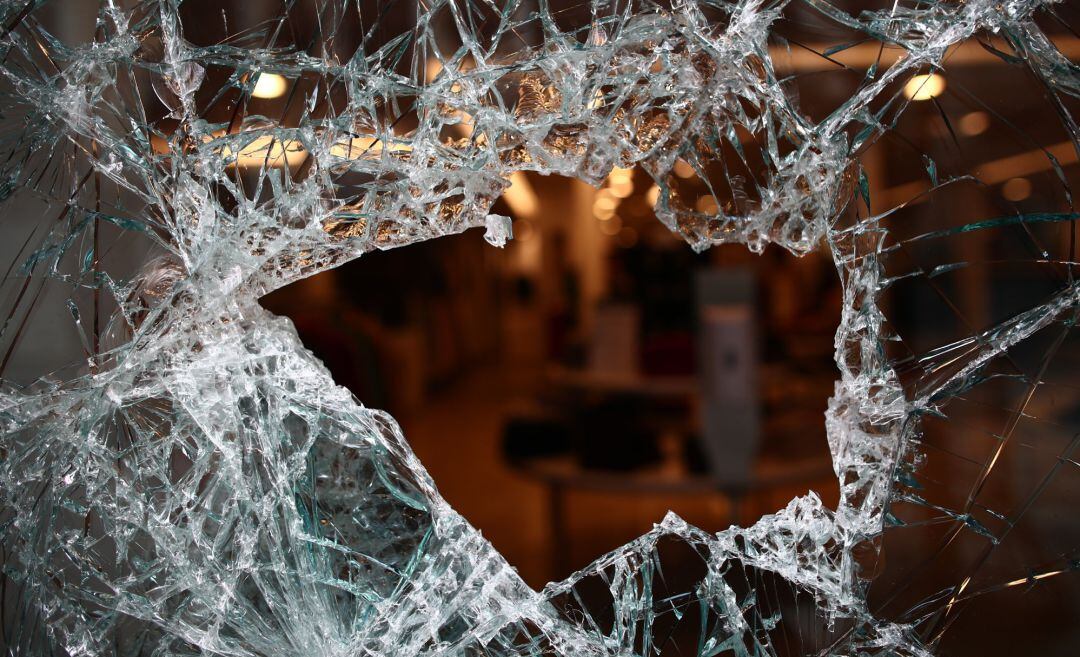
[181, 476]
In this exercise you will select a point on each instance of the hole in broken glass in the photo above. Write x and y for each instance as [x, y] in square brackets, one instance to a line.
[564, 376]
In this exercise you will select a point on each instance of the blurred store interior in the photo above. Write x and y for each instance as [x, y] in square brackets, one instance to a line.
[562, 371]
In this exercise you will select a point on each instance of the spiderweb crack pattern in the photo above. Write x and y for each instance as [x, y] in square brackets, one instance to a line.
[197, 484]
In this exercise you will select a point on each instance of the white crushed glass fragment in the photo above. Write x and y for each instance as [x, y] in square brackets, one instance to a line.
[498, 229]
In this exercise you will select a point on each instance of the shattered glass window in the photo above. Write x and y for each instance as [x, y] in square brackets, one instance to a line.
[181, 476]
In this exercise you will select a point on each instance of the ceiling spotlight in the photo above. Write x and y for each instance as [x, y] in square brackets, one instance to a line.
[1016, 189]
[924, 87]
[269, 85]
[974, 123]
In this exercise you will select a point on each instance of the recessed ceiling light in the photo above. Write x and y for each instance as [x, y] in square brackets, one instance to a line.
[974, 123]
[924, 87]
[269, 85]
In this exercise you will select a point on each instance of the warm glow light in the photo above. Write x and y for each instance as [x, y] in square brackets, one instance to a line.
[652, 195]
[621, 189]
[364, 147]
[464, 128]
[269, 151]
[707, 204]
[683, 169]
[974, 123]
[993, 172]
[1026, 164]
[621, 182]
[269, 85]
[432, 69]
[1016, 189]
[924, 87]
[605, 203]
[520, 196]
